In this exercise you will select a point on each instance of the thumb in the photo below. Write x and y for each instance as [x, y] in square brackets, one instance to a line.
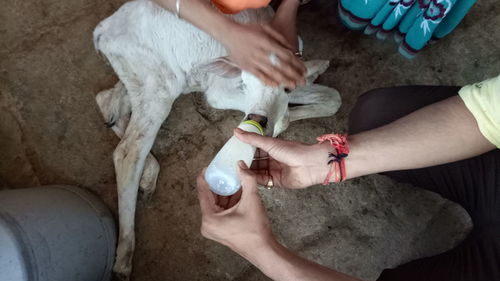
[262, 142]
[207, 201]
[248, 180]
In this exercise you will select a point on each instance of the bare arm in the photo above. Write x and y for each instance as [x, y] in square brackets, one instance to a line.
[245, 228]
[436, 134]
[249, 45]
[439, 133]
[280, 264]
[201, 14]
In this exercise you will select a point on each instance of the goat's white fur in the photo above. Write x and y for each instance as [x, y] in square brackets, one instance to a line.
[158, 57]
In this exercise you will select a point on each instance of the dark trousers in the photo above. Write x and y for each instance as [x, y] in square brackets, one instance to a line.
[473, 183]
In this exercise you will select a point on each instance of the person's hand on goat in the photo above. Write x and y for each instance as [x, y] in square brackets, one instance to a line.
[239, 222]
[291, 164]
[262, 51]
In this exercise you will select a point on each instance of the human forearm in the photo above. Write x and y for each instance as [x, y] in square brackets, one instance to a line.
[248, 45]
[284, 21]
[440, 133]
[279, 263]
[201, 14]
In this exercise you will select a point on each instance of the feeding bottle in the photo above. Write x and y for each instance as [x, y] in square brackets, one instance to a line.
[222, 173]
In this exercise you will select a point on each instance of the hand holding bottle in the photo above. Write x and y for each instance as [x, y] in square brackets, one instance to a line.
[291, 164]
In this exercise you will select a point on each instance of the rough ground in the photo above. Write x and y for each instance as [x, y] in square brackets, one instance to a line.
[51, 132]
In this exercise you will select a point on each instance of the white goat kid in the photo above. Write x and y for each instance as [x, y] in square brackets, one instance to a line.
[158, 57]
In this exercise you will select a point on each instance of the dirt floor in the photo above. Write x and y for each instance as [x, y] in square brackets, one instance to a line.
[52, 133]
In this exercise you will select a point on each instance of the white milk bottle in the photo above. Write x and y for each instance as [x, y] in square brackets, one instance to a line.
[222, 173]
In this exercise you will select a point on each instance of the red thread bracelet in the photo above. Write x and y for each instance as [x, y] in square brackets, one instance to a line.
[339, 142]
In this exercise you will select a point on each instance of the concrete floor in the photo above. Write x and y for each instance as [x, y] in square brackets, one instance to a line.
[51, 132]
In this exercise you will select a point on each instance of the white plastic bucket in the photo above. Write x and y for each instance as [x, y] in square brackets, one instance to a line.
[55, 233]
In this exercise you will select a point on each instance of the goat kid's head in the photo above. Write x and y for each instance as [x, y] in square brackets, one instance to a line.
[263, 103]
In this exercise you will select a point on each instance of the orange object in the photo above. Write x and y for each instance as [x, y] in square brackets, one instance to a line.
[236, 6]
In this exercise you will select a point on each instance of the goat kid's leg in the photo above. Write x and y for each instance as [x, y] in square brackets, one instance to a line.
[149, 177]
[129, 159]
[114, 105]
[314, 69]
[313, 101]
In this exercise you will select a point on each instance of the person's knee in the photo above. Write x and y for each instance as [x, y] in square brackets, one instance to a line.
[366, 112]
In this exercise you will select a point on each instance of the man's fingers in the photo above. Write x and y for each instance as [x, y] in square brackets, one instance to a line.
[282, 73]
[262, 142]
[247, 177]
[263, 178]
[260, 160]
[278, 37]
[266, 79]
[292, 66]
[234, 199]
[207, 200]
[287, 68]
[222, 201]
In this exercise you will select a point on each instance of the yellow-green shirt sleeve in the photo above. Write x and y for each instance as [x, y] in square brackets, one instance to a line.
[483, 101]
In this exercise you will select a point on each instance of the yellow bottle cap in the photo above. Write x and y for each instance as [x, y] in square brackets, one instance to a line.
[256, 124]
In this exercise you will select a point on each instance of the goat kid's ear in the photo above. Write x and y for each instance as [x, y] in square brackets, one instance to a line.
[222, 66]
[316, 67]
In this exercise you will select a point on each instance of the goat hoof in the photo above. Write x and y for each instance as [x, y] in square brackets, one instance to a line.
[147, 184]
[117, 276]
[146, 195]
[123, 263]
[110, 123]
[121, 272]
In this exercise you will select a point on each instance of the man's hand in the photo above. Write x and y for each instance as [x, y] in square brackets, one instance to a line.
[244, 225]
[250, 47]
[291, 164]
[245, 228]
